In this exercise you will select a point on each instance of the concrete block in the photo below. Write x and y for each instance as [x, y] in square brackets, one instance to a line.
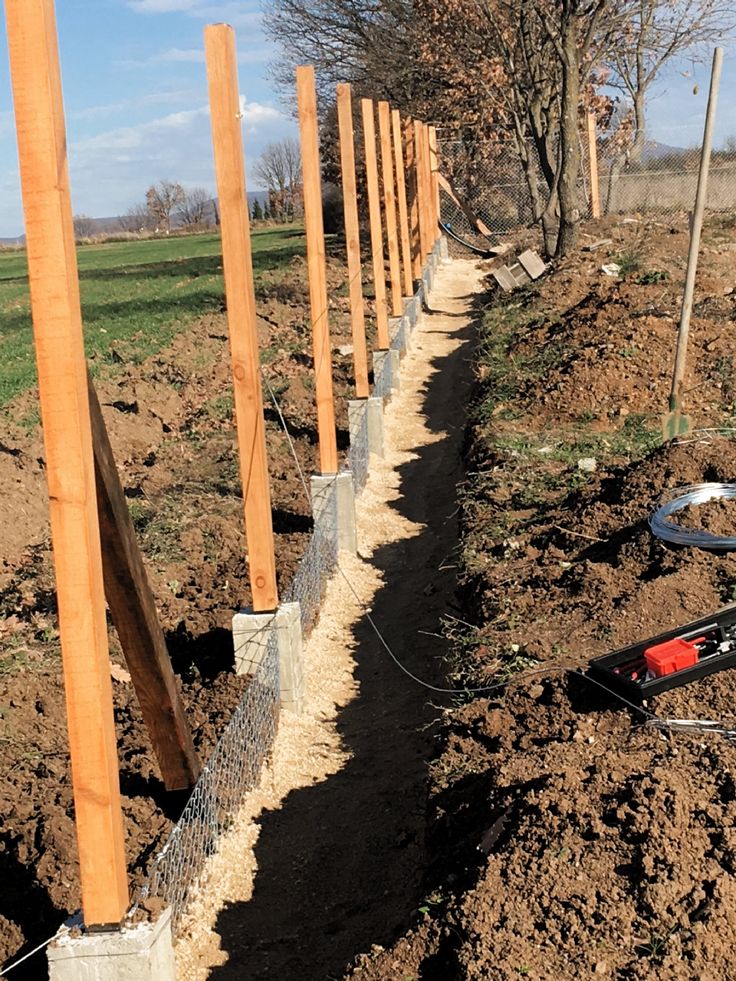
[251, 635]
[444, 252]
[398, 332]
[373, 408]
[410, 312]
[321, 484]
[532, 264]
[392, 357]
[137, 952]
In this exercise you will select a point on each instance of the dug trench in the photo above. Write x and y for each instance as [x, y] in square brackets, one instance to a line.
[568, 836]
[336, 851]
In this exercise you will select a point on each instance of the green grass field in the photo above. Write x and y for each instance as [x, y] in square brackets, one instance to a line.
[135, 295]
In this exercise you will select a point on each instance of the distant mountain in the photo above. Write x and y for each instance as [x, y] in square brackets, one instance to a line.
[656, 151]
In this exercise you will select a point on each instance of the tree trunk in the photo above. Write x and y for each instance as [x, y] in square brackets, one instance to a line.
[569, 142]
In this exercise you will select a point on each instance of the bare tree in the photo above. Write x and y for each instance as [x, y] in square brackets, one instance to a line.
[84, 226]
[137, 219]
[162, 200]
[195, 209]
[279, 170]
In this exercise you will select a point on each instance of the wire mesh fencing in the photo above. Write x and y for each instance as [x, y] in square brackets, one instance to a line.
[382, 377]
[320, 558]
[359, 452]
[233, 769]
[398, 338]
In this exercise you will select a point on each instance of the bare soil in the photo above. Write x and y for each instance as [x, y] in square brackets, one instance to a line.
[170, 423]
[717, 516]
[569, 837]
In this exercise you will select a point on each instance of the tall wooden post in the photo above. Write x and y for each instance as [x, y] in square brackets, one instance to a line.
[374, 215]
[422, 188]
[595, 188]
[434, 166]
[227, 141]
[306, 92]
[402, 202]
[412, 173]
[62, 381]
[352, 239]
[389, 207]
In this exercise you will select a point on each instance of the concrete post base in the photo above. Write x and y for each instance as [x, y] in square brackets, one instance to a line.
[373, 408]
[393, 359]
[140, 952]
[410, 311]
[444, 253]
[347, 534]
[251, 634]
[398, 326]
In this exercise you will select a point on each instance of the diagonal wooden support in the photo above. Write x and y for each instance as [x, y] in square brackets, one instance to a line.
[133, 611]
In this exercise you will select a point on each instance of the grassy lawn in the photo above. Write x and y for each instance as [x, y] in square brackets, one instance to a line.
[135, 295]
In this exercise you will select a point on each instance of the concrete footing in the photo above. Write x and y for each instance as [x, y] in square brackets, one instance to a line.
[321, 487]
[140, 952]
[251, 635]
[393, 359]
[373, 408]
[398, 327]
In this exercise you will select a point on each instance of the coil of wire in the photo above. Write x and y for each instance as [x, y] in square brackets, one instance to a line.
[680, 497]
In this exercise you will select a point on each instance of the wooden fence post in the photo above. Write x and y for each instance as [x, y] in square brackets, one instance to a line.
[62, 381]
[374, 215]
[595, 190]
[434, 170]
[352, 239]
[227, 141]
[389, 207]
[306, 92]
[422, 189]
[402, 201]
[412, 172]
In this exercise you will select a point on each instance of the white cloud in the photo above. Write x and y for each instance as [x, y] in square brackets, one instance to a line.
[137, 102]
[254, 56]
[232, 12]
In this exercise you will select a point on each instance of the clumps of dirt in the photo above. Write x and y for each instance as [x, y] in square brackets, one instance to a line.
[570, 837]
[718, 516]
[611, 341]
[586, 843]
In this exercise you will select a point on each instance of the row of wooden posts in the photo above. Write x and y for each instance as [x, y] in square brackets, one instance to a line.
[96, 555]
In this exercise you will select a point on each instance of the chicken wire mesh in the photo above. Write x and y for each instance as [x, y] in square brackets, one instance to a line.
[233, 768]
[359, 453]
[382, 377]
[398, 334]
[319, 559]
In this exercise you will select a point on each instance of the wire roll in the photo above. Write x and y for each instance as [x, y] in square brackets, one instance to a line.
[679, 498]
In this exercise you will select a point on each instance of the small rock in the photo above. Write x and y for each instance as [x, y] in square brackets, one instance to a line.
[601, 968]
[587, 464]
[623, 411]
[536, 691]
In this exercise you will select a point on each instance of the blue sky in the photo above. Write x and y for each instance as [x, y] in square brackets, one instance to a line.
[136, 100]
[135, 96]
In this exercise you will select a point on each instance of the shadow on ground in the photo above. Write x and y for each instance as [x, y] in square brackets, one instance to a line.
[341, 864]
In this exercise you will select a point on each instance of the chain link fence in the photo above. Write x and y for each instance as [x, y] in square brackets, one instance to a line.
[492, 184]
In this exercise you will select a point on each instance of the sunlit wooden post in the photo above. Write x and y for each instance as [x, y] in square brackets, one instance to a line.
[595, 190]
[352, 239]
[374, 216]
[227, 141]
[389, 207]
[422, 188]
[412, 174]
[402, 202]
[62, 381]
[306, 92]
[435, 184]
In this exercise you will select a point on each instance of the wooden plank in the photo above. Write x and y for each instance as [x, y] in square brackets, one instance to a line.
[452, 193]
[389, 207]
[133, 611]
[62, 380]
[352, 239]
[227, 141]
[398, 147]
[410, 152]
[306, 93]
[374, 217]
[434, 168]
[595, 189]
